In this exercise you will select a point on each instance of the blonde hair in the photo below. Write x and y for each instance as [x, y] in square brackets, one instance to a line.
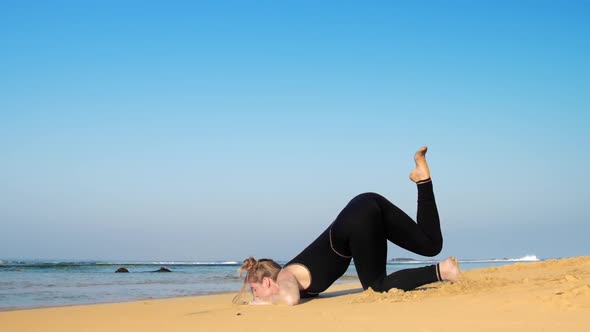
[256, 270]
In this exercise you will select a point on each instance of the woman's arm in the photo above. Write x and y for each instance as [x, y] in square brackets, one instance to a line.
[288, 289]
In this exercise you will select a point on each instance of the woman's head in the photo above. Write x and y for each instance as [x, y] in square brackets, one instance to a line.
[260, 275]
[257, 270]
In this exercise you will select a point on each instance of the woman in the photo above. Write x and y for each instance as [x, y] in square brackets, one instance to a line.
[360, 232]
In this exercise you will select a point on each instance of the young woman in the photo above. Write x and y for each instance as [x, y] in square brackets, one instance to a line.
[360, 232]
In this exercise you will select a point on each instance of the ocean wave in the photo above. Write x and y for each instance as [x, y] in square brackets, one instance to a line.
[65, 265]
[52, 264]
[175, 263]
[526, 258]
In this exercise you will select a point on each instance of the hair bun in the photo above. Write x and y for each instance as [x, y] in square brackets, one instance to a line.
[249, 264]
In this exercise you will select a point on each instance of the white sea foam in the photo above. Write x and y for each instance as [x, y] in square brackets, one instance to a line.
[194, 263]
[171, 263]
[526, 258]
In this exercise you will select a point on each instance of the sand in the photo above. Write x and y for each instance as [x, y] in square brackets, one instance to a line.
[552, 295]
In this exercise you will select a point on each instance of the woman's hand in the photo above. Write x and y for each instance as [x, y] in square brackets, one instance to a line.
[258, 301]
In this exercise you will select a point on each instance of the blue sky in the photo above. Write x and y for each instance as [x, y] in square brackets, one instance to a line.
[220, 129]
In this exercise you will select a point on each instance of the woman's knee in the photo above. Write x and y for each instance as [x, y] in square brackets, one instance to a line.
[378, 285]
[367, 202]
[433, 249]
[367, 196]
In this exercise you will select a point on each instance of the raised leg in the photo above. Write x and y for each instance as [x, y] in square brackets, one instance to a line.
[365, 224]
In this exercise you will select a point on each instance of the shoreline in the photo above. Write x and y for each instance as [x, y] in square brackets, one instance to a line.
[548, 295]
[64, 298]
[344, 281]
[113, 302]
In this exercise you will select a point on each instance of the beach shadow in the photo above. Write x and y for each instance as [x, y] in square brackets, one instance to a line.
[353, 291]
[328, 295]
[340, 293]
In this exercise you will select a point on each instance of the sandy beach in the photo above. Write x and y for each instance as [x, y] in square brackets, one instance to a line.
[552, 295]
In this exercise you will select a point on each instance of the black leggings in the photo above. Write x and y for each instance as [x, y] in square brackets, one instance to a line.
[363, 227]
[361, 231]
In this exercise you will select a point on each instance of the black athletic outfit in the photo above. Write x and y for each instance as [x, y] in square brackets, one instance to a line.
[361, 231]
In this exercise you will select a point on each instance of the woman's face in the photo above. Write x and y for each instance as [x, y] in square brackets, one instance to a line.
[261, 290]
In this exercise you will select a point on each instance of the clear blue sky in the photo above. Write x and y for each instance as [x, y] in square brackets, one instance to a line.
[208, 130]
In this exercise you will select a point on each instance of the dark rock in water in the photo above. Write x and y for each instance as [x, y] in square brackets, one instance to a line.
[122, 270]
[163, 269]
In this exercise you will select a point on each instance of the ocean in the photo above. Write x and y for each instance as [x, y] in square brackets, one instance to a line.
[45, 283]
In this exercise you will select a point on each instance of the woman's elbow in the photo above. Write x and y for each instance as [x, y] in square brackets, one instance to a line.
[291, 300]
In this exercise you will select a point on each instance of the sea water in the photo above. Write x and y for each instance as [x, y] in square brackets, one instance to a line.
[43, 283]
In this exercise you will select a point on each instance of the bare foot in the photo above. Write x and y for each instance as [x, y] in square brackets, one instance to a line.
[421, 172]
[449, 269]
